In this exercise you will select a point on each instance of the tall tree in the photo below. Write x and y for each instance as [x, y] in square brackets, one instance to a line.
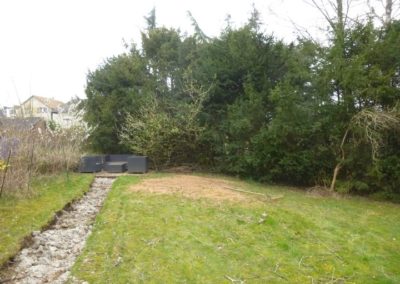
[198, 32]
[113, 89]
[151, 20]
[161, 48]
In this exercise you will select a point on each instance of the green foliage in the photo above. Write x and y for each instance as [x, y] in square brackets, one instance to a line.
[151, 19]
[273, 111]
[168, 134]
[112, 90]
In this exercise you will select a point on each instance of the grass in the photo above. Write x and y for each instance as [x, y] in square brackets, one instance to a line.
[20, 216]
[145, 238]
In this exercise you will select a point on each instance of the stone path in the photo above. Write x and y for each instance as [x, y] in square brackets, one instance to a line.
[53, 252]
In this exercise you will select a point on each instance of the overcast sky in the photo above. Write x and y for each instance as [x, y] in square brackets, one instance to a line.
[48, 46]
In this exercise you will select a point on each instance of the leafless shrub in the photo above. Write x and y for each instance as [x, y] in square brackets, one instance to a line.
[37, 152]
[372, 124]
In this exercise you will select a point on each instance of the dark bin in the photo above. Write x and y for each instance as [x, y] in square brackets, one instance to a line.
[116, 163]
[117, 158]
[138, 164]
[115, 167]
[91, 164]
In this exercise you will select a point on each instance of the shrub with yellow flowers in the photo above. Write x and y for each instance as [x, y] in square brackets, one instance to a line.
[3, 165]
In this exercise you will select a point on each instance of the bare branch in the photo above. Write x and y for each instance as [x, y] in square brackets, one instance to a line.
[303, 32]
[374, 123]
[324, 13]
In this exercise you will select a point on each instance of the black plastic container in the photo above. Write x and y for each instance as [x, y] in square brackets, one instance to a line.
[117, 157]
[138, 164]
[91, 164]
[115, 167]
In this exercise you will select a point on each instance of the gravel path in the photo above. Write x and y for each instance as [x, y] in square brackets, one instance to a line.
[53, 252]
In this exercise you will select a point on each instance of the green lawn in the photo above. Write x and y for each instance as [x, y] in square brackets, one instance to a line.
[20, 216]
[148, 238]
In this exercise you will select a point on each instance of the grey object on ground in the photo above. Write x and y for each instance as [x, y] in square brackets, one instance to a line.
[117, 157]
[115, 167]
[115, 163]
[138, 164]
[91, 164]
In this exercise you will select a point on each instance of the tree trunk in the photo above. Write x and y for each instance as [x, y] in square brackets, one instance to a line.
[335, 174]
[339, 165]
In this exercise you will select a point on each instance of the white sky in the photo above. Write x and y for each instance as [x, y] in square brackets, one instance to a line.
[48, 46]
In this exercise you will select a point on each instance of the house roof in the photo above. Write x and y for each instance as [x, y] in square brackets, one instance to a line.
[50, 103]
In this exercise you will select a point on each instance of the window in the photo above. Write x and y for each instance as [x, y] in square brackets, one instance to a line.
[42, 110]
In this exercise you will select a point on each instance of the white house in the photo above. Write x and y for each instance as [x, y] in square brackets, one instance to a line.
[64, 114]
[36, 106]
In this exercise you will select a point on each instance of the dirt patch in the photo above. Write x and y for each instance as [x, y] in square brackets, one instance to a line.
[194, 187]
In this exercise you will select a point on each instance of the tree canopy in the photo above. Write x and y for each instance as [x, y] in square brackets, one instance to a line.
[249, 104]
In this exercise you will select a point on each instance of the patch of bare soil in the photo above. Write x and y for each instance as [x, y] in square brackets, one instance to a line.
[194, 187]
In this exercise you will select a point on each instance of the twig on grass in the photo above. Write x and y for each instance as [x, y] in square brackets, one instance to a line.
[300, 263]
[269, 197]
[245, 191]
[276, 267]
[279, 275]
[233, 280]
[330, 250]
